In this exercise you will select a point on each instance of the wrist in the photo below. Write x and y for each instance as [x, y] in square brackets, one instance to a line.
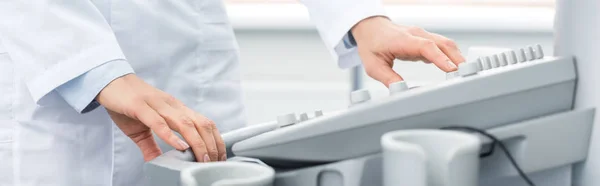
[106, 90]
[366, 24]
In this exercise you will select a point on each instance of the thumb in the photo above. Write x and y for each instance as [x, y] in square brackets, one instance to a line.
[381, 71]
[145, 141]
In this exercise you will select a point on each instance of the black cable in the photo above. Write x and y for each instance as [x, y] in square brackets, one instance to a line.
[495, 142]
[489, 152]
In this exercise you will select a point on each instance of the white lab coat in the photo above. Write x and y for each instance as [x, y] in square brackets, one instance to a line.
[184, 47]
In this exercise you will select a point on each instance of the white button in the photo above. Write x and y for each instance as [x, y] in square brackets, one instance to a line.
[398, 87]
[539, 52]
[303, 117]
[359, 96]
[318, 113]
[512, 57]
[530, 53]
[287, 119]
[522, 56]
[501, 59]
[467, 69]
[495, 61]
[479, 65]
[451, 75]
[486, 63]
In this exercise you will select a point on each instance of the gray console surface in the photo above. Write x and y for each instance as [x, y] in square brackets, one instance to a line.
[527, 141]
[507, 94]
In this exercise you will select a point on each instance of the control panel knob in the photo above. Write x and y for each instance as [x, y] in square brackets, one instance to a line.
[512, 57]
[467, 69]
[451, 75]
[359, 96]
[318, 113]
[398, 87]
[486, 63]
[522, 55]
[539, 52]
[501, 58]
[494, 61]
[287, 119]
[530, 53]
[303, 117]
[479, 65]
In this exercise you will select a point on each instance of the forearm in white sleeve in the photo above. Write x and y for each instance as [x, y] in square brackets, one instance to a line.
[335, 18]
[57, 40]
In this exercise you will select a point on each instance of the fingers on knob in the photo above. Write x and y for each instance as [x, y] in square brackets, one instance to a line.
[398, 87]
[467, 69]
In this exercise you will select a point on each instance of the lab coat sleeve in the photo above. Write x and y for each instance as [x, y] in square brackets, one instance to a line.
[56, 40]
[81, 92]
[335, 18]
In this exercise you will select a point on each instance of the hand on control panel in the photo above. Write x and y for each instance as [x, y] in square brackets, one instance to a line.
[140, 110]
[380, 42]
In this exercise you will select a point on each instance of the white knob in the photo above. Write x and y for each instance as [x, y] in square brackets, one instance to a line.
[490, 62]
[303, 117]
[287, 119]
[479, 64]
[522, 55]
[318, 113]
[451, 75]
[485, 63]
[530, 53]
[398, 87]
[359, 96]
[495, 61]
[539, 52]
[467, 69]
[512, 57]
[501, 59]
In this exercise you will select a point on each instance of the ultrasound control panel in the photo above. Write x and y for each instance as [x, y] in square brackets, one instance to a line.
[486, 92]
[519, 96]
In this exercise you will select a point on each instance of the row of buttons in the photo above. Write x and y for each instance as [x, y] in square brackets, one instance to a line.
[466, 69]
[498, 60]
[360, 96]
[356, 97]
[290, 119]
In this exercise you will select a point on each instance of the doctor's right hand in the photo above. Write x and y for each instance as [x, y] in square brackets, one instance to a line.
[380, 42]
[137, 109]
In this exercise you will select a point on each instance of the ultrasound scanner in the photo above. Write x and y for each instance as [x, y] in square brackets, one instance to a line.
[505, 117]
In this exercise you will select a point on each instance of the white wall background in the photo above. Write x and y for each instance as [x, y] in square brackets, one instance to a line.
[286, 67]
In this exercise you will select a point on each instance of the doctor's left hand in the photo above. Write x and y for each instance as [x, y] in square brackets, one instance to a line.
[137, 109]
